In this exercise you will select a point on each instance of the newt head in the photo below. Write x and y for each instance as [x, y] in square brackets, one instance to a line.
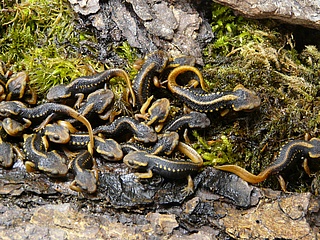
[57, 133]
[198, 120]
[10, 108]
[247, 100]
[54, 164]
[145, 133]
[57, 93]
[136, 160]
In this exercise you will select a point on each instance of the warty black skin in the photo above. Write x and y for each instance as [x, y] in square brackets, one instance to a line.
[44, 112]
[153, 65]
[51, 163]
[190, 120]
[240, 99]
[289, 154]
[141, 132]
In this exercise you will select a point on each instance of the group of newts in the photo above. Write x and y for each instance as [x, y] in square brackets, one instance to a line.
[146, 138]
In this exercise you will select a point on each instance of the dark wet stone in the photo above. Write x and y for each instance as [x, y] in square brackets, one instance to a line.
[177, 27]
[196, 214]
[229, 186]
[125, 190]
[14, 182]
[305, 13]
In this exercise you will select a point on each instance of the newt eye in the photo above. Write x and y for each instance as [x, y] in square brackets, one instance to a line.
[56, 137]
[131, 163]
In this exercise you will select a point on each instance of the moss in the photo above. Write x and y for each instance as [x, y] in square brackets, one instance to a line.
[266, 61]
[40, 37]
[215, 151]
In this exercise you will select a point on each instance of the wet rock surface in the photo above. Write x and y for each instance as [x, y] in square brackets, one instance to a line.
[222, 205]
[177, 27]
[305, 13]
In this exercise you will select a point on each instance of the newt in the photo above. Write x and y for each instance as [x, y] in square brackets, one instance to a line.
[96, 103]
[190, 120]
[56, 133]
[38, 158]
[141, 131]
[45, 112]
[16, 86]
[157, 112]
[85, 85]
[240, 99]
[85, 172]
[15, 128]
[165, 145]
[108, 149]
[289, 154]
[168, 168]
[153, 65]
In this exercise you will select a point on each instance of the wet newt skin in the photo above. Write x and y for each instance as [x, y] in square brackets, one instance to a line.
[86, 85]
[51, 163]
[168, 168]
[197, 99]
[108, 149]
[154, 64]
[44, 112]
[290, 153]
[141, 131]
[86, 175]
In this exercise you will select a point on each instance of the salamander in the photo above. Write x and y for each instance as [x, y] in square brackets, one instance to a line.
[165, 145]
[85, 85]
[190, 120]
[15, 128]
[290, 153]
[153, 65]
[108, 149]
[37, 158]
[56, 133]
[141, 132]
[96, 103]
[197, 99]
[157, 112]
[85, 172]
[168, 168]
[46, 111]
[16, 86]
